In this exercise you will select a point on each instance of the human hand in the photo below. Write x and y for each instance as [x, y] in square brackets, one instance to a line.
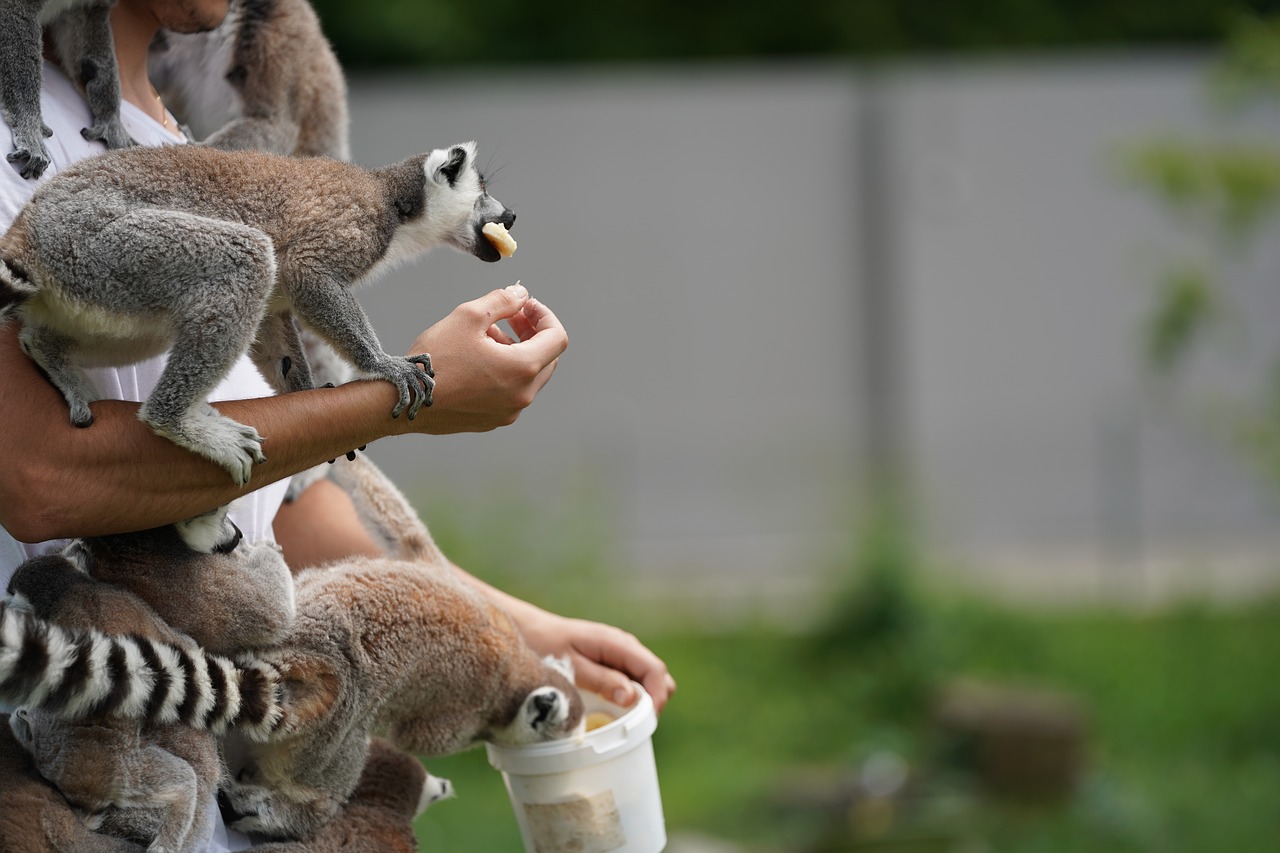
[484, 377]
[606, 660]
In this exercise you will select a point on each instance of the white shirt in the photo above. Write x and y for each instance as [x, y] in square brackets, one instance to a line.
[66, 112]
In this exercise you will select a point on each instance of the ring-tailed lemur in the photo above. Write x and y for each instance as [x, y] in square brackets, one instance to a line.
[211, 254]
[75, 674]
[82, 39]
[398, 645]
[266, 79]
[147, 780]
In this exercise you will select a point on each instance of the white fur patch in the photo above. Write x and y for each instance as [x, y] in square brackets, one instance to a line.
[142, 682]
[206, 532]
[434, 789]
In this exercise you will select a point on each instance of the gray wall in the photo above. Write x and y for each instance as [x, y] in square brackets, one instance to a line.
[703, 233]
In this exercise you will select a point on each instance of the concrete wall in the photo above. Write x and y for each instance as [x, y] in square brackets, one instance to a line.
[707, 235]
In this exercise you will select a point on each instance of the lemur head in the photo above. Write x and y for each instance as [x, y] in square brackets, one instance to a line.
[458, 201]
[551, 711]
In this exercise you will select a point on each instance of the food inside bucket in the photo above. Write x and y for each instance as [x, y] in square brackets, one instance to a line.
[596, 719]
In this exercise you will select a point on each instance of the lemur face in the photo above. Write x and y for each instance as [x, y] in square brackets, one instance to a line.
[550, 712]
[460, 202]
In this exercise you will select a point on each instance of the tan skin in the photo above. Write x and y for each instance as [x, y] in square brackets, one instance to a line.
[60, 481]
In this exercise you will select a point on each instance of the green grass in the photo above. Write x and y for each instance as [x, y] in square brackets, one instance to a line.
[1184, 710]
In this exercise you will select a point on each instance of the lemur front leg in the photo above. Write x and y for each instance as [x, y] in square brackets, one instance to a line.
[20, 73]
[82, 39]
[330, 309]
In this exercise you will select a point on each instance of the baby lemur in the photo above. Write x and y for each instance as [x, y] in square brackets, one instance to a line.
[147, 782]
[211, 254]
[81, 35]
[266, 79]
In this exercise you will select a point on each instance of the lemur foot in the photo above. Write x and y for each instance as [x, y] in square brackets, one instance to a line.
[230, 444]
[111, 132]
[415, 385]
[28, 145]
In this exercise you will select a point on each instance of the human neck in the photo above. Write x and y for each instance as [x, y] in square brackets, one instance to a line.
[132, 30]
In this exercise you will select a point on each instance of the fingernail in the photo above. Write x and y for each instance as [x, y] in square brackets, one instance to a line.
[622, 696]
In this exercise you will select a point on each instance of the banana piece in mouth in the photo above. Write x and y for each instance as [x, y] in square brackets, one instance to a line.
[497, 234]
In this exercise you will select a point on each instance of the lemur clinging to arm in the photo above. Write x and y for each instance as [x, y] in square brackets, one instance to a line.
[82, 39]
[193, 587]
[211, 254]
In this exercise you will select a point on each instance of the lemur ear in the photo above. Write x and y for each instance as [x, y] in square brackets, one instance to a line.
[447, 164]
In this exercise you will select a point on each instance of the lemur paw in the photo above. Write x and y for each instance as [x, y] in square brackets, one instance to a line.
[29, 147]
[110, 132]
[230, 444]
[415, 385]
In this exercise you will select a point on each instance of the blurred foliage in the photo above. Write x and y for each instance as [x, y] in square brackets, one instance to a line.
[1225, 195]
[431, 32]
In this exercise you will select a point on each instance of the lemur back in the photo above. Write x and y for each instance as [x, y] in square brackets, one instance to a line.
[211, 254]
[82, 39]
[267, 79]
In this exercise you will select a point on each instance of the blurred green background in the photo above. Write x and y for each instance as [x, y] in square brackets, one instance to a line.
[902, 713]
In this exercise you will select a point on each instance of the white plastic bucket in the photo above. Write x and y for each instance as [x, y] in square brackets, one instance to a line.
[594, 794]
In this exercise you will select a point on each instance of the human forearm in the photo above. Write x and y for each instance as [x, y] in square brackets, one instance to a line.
[117, 475]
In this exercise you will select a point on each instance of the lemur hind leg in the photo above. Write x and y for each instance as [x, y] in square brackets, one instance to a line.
[82, 39]
[20, 62]
[209, 279]
[52, 352]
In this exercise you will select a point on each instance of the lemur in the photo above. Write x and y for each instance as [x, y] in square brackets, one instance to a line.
[148, 782]
[81, 35]
[266, 79]
[34, 816]
[211, 254]
[399, 645]
[378, 818]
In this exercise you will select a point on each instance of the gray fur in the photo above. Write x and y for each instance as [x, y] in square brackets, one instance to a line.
[267, 80]
[82, 39]
[211, 254]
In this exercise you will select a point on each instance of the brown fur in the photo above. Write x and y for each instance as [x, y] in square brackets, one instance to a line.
[147, 780]
[34, 816]
[392, 646]
[379, 816]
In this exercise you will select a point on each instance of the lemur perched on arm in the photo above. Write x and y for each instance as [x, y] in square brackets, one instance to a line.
[82, 39]
[211, 254]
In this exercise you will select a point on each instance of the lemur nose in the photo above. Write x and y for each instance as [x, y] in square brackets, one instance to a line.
[508, 218]
[544, 704]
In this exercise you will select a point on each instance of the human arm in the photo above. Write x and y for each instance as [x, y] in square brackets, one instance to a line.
[322, 526]
[117, 475]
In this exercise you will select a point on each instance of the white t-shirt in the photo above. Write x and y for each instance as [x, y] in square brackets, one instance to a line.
[66, 112]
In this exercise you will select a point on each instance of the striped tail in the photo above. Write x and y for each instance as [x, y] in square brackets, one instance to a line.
[74, 674]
